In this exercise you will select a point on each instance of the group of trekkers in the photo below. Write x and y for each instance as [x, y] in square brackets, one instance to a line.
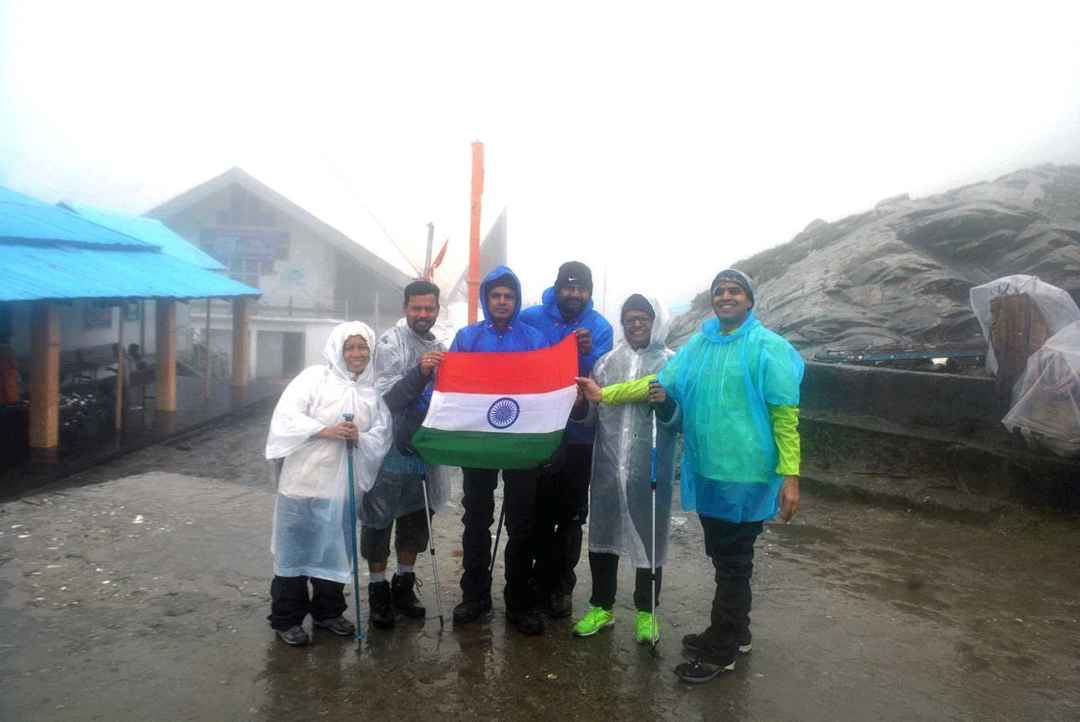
[732, 392]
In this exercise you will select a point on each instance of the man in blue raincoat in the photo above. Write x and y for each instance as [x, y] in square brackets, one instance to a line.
[737, 385]
[563, 492]
[500, 331]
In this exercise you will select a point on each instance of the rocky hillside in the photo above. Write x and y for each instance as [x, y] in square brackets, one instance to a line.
[898, 275]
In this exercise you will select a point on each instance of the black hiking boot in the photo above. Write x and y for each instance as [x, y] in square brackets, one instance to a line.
[528, 622]
[405, 599]
[340, 626]
[703, 669]
[382, 607]
[293, 636]
[471, 610]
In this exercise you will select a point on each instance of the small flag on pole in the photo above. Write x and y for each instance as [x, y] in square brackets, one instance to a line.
[499, 410]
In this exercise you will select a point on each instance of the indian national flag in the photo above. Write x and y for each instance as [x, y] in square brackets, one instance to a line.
[499, 410]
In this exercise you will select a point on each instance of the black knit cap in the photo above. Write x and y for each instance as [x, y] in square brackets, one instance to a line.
[637, 302]
[730, 274]
[574, 273]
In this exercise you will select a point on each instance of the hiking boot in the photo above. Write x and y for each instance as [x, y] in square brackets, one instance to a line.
[339, 625]
[700, 670]
[594, 620]
[293, 636]
[405, 599]
[646, 628]
[382, 607]
[694, 644]
[527, 622]
[470, 610]
[559, 605]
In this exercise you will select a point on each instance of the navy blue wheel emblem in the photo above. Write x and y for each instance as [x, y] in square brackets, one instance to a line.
[503, 413]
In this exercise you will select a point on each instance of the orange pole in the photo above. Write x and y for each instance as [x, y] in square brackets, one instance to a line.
[474, 229]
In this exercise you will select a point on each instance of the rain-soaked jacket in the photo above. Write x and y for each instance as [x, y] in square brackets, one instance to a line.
[548, 319]
[620, 517]
[727, 386]
[407, 393]
[311, 520]
[483, 336]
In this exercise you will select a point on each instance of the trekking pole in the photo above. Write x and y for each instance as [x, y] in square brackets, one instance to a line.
[349, 445]
[434, 561]
[652, 555]
[495, 554]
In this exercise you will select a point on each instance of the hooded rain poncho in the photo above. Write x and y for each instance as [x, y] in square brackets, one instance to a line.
[620, 517]
[311, 520]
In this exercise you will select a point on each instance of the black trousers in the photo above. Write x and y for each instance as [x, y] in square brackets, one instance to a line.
[562, 509]
[730, 546]
[605, 580]
[519, 496]
[289, 602]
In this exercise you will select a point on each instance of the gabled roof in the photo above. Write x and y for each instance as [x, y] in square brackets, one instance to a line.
[149, 230]
[239, 177]
[27, 220]
[51, 253]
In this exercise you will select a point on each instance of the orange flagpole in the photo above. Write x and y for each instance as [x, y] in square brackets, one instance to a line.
[474, 229]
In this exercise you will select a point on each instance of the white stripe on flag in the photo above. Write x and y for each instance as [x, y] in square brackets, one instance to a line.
[537, 413]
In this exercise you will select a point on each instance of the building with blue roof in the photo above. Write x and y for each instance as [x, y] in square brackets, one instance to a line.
[77, 284]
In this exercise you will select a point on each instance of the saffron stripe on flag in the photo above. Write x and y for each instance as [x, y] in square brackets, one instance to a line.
[505, 374]
[485, 450]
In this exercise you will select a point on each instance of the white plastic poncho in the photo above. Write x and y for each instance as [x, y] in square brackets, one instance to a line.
[1047, 409]
[311, 519]
[620, 498]
[1057, 306]
[397, 489]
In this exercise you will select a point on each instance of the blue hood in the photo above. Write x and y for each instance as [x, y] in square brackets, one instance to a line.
[486, 286]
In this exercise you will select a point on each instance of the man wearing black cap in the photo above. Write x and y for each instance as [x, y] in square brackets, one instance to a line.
[563, 492]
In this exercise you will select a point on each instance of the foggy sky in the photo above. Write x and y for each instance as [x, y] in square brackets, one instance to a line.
[659, 141]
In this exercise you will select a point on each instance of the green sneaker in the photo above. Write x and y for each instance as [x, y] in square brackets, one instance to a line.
[646, 628]
[594, 620]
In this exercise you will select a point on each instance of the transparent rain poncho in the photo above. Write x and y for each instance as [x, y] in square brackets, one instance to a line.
[724, 385]
[311, 518]
[1057, 307]
[1047, 408]
[620, 498]
[397, 489]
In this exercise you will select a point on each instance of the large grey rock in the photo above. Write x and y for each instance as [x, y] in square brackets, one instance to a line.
[899, 275]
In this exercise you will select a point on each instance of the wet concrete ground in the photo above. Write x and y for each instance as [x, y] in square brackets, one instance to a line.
[138, 591]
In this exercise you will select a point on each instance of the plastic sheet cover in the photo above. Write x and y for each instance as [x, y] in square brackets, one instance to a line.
[1047, 408]
[311, 519]
[620, 503]
[1057, 306]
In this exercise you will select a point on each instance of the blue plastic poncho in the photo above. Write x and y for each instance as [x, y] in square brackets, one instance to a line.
[724, 384]
[311, 520]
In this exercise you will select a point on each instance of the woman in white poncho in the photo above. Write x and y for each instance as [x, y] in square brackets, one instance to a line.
[620, 496]
[311, 518]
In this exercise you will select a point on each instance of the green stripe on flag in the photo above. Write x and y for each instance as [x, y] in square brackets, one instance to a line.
[484, 449]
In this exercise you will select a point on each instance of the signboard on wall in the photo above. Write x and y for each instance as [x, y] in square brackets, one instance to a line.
[247, 251]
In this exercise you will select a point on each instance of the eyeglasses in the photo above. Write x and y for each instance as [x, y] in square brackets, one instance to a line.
[637, 321]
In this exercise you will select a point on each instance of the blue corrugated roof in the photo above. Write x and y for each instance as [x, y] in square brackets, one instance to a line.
[50, 272]
[151, 231]
[26, 220]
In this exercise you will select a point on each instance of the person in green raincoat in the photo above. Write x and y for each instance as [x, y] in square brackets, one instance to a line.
[737, 387]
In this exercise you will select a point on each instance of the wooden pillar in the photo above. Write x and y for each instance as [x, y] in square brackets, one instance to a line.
[206, 342]
[165, 385]
[241, 342]
[119, 411]
[45, 377]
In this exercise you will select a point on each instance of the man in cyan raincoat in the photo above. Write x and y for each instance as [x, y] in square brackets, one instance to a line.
[737, 386]
[563, 492]
[312, 523]
[405, 360]
[621, 500]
